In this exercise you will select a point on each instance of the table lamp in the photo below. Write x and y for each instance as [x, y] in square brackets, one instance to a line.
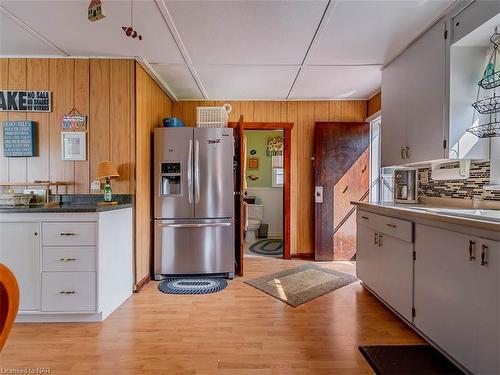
[106, 170]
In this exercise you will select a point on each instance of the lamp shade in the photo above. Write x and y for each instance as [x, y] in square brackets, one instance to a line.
[105, 170]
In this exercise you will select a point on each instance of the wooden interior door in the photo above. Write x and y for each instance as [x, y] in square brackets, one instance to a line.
[341, 175]
[239, 221]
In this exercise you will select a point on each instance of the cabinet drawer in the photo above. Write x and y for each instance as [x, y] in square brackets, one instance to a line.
[390, 226]
[68, 259]
[69, 233]
[68, 291]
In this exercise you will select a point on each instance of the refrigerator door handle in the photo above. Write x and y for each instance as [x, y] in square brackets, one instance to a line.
[196, 225]
[190, 172]
[197, 171]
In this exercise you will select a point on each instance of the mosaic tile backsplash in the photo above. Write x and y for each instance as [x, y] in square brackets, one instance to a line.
[462, 189]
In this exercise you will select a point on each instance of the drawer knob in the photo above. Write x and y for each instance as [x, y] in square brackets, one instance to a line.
[68, 234]
[391, 225]
[67, 259]
[65, 292]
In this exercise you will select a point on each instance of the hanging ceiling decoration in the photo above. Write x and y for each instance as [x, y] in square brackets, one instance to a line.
[486, 104]
[129, 30]
[95, 11]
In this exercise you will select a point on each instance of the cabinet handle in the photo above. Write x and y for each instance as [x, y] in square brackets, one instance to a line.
[380, 237]
[391, 225]
[407, 152]
[67, 234]
[472, 249]
[67, 292]
[346, 188]
[364, 217]
[484, 255]
[402, 153]
[67, 259]
[36, 233]
[376, 239]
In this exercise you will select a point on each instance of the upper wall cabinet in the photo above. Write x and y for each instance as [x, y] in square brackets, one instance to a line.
[413, 98]
[428, 90]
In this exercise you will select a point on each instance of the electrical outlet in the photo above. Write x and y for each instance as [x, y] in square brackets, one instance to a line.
[95, 186]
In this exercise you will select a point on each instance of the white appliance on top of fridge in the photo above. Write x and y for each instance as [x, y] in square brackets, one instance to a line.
[193, 201]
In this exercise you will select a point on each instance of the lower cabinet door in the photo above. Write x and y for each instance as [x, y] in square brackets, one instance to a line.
[385, 265]
[486, 317]
[445, 279]
[395, 276]
[367, 262]
[20, 252]
[68, 291]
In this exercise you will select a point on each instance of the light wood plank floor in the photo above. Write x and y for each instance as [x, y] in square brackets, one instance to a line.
[238, 331]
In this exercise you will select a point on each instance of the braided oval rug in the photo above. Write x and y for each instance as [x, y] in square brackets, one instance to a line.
[192, 285]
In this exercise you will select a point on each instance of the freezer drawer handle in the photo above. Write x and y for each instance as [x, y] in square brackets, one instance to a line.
[196, 225]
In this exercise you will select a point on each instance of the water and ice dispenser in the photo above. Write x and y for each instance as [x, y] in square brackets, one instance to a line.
[171, 181]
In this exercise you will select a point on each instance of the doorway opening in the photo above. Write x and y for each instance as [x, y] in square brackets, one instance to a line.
[263, 183]
[280, 175]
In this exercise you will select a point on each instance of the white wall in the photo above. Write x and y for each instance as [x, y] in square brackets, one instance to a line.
[272, 199]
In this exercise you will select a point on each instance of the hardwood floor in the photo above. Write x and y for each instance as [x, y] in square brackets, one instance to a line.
[240, 330]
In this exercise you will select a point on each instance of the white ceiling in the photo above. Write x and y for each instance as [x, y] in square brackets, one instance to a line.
[273, 49]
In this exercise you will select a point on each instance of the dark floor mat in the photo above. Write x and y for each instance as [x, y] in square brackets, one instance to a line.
[408, 359]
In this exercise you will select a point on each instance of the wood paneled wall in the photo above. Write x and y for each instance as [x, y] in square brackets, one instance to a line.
[374, 104]
[303, 114]
[102, 89]
[152, 105]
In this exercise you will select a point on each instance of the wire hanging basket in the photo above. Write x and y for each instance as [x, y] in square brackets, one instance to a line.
[488, 105]
[490, 82]
[489, 130]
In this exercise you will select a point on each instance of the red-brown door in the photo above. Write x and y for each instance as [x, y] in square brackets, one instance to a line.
[341, 175]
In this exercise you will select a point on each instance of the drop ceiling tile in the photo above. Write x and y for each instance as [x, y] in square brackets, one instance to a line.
[337, 82]
[247, 32]
[246, 82]
[180, 80]
[372, 32]
[66, 25]
[15, 40]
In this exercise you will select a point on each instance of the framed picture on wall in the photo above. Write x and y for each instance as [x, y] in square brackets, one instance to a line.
[73, 146]
[253, 163]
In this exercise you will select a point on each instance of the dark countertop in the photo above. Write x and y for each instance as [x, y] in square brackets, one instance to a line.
[75, 203]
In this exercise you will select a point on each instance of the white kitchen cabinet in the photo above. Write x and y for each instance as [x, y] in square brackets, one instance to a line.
[425, 92]
[394, 115]
[20, 251]
[71, 267]
[456, 298]
[385, 261]
[428, 90]
[413, 101]
[487, 310]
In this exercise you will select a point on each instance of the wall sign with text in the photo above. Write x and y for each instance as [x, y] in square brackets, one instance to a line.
[25, 101]
[19, 138]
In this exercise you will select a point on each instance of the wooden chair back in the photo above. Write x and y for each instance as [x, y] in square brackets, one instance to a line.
[9, 302]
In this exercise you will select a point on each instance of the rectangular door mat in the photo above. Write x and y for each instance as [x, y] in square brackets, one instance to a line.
[408, 359]
[302, 284]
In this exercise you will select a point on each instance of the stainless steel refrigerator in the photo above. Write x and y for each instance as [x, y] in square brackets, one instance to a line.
[193, 201]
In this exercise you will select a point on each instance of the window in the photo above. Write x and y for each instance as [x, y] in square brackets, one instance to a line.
[375, 160]
[278, 177]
